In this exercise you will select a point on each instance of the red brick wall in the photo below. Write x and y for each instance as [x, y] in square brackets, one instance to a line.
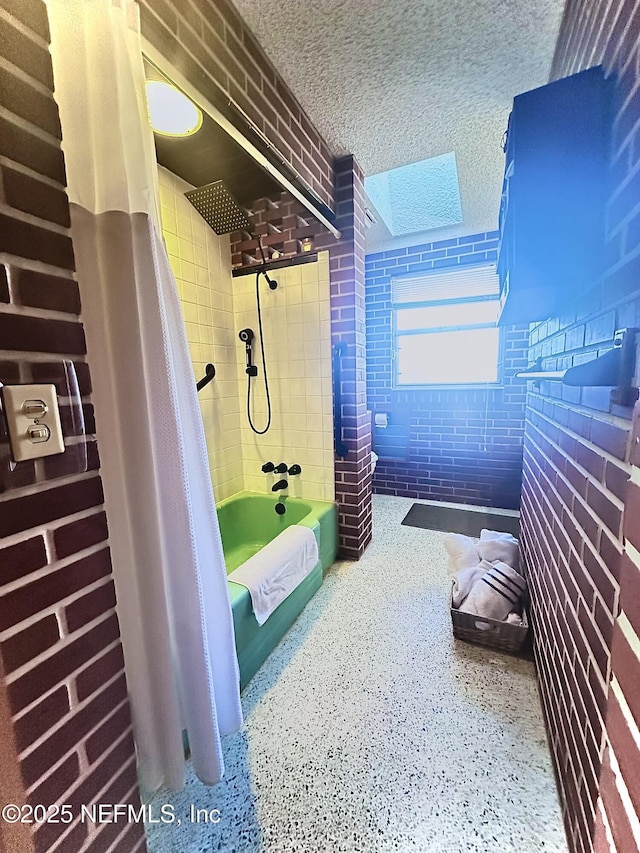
[353, 473]
[64, 681]
[461, 445]
[212, 46]
[572, 540]
[575, 504]
[618, 808]
[281, 222]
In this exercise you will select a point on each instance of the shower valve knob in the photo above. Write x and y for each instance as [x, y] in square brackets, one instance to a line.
[295, 469]
[281, 468]
[268, 467]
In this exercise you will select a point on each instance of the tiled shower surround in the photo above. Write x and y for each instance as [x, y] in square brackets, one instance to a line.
[347, 307]
[210, 44]
[200, 263]
[296, 321]
[580, 516]
[462, 445]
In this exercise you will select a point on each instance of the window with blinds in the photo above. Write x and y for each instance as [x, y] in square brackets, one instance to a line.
[445, 327]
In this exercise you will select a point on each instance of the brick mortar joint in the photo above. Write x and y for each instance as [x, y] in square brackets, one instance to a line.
[550, 535]
[23, 75]
[17, 309]
[28, 172]
[54, 483]
[24, 29]
[594, 414]
[35, 221]
[75, 708]
[30, 127]
[583, 441]
[54, 608]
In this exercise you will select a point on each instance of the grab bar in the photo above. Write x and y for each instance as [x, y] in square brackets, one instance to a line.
[210, 372]
[340, 447]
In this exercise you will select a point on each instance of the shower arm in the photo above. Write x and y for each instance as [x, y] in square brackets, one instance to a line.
[263, 269]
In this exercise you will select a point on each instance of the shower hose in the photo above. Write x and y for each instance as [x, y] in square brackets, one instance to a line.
[264, 361]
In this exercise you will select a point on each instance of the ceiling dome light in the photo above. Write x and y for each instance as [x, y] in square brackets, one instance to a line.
[171, 113]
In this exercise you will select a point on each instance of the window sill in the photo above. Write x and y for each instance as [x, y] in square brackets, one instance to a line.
[478, 386]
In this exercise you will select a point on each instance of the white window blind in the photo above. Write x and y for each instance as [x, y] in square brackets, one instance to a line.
[446, 286]
[445, 327]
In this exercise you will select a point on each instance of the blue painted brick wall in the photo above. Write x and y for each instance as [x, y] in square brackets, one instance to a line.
[460, 445]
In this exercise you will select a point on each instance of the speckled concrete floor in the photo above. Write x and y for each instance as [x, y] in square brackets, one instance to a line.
[369, 729]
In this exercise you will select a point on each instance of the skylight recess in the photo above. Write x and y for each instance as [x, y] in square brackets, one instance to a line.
[419, 196]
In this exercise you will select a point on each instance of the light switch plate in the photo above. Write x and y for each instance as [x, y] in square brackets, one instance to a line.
[24, 417]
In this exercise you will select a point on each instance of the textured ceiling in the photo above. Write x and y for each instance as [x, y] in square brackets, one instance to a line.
[396, 81]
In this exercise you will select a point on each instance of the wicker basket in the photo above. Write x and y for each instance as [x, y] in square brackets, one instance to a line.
[496, 635]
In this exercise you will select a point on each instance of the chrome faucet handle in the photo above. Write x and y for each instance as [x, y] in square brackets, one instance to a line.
[268, 467]
[281, 468]
[295, 469]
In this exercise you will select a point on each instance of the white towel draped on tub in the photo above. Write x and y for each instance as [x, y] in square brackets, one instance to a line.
[277, 569]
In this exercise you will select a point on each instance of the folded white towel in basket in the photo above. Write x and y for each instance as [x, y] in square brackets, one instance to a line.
[462, 552]
[464, 580]
[494, 545]
[496, 594]
[277, 569]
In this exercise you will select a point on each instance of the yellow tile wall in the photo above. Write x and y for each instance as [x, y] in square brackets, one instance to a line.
[201, 263]
[296, 321]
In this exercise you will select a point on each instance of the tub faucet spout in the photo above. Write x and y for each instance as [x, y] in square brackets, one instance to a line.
[281, 484]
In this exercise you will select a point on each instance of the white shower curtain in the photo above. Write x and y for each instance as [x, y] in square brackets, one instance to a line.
[173, 604]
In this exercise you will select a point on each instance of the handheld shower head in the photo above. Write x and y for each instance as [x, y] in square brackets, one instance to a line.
[247, 336]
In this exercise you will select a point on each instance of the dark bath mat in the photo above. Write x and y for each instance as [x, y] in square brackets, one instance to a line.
[469, 522]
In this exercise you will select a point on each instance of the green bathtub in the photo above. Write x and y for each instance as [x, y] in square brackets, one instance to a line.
[248, 521]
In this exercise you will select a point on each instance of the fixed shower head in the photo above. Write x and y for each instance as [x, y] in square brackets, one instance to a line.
[219, 209]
